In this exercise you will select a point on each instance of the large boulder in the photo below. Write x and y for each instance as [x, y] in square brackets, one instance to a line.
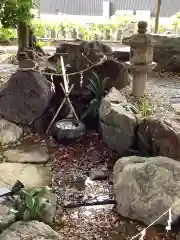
[167, 53]
[146, 187]
[24, 97]
[159, 136]
[30, 230]
[117, 121]
[81, 55]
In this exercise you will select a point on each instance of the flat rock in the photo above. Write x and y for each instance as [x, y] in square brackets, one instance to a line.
[146, 187]
[27, 154]
[32, 230]
[99, 173]
[31, 175]
[9, 132]
[7, 69]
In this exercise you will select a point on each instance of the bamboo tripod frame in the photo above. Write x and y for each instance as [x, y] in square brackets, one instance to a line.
[66, 99]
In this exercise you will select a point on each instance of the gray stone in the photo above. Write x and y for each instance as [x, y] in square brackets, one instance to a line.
[48, 216]
[33, 153]
[178, 236]
[146, 187]
[9, 132]
[6, 216]
[93, 50]
[24, 97]
[167, 53]
[159, 136]
[100, 173]
[7, 69]
[27, 64]
[117, 122]
[31, 175]
[32, 230]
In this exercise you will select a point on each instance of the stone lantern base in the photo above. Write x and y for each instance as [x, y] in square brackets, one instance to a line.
[139, 73]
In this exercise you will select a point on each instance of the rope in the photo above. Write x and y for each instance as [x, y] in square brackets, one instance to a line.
[60, 74]
[145, 229]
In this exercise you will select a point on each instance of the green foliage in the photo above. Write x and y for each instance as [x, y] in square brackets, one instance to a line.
[176, 23]
[145, 110]
[38, 27]
[98, 87]
[6, 34]
[31, 204]
[58, 66]
[119, 17]
[14, 12]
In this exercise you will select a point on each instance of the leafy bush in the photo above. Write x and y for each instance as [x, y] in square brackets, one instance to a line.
[98, 88]
[108, 30]
[7, 34]
[38, 28]
[31, 204]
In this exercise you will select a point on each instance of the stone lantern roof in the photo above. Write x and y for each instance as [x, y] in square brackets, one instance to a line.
[141, 39]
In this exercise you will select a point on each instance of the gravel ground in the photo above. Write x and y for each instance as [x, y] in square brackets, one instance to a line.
[162, 91]
[88, 222]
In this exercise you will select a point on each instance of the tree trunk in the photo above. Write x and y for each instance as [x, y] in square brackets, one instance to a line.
[157, 16]
[33, 43]
[27, 39]
[23, 37]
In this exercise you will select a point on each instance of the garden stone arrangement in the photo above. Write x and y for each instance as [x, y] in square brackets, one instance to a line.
[106, 185]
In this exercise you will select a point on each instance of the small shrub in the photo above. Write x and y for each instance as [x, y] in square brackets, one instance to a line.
[31, 204]
[145, 110]
[98, 88]
[6, 34]
[38, 27]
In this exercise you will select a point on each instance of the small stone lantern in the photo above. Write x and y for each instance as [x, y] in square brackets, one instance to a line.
[141, 58]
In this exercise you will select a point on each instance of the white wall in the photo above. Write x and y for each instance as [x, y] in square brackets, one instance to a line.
[92, 19]
[72, 18]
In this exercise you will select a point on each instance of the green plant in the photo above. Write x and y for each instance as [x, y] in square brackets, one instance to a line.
[145, 110]
[38, 27]
[98, 88]
[58, 66]
[6, 34]
[31, 204]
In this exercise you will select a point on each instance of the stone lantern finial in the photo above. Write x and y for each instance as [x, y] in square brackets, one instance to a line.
[142, 27]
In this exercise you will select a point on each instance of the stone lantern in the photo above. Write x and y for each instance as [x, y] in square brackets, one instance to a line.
[141, 58]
